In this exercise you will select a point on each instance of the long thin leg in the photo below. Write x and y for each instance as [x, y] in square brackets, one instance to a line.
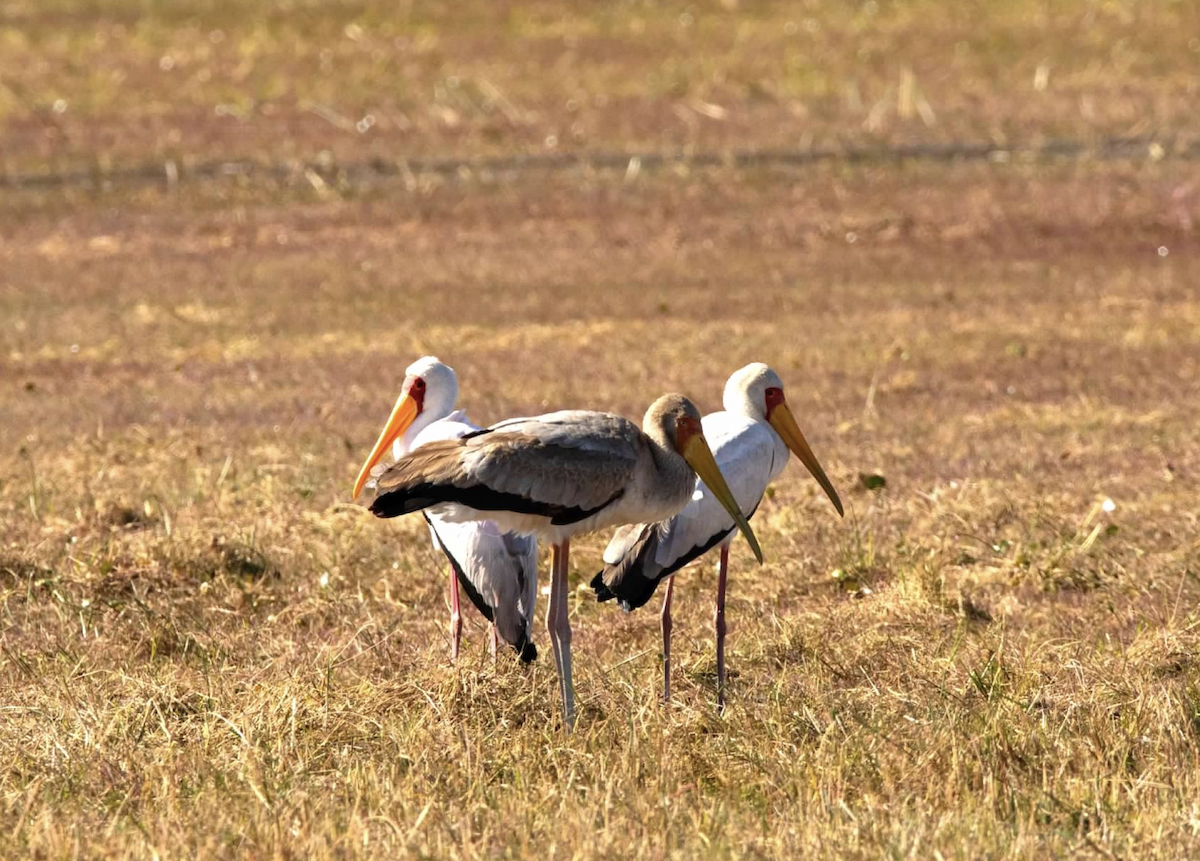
[563, 622]
[455, 616]
[719, 622]
[551, 606]
[558, 626]
[493, 642]
[666, 635]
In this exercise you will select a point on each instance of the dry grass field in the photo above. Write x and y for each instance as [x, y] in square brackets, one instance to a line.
[207, 651]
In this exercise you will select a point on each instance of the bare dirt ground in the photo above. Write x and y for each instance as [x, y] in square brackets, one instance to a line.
[206, 651]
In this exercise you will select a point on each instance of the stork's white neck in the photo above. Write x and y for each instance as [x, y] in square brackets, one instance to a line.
[740, 402]
[406, 441]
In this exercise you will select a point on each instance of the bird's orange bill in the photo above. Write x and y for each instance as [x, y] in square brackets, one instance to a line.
[785, 425]
[697, 453]
[402, 416]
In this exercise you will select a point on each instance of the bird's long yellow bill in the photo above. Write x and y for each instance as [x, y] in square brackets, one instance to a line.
[697, 453]
[398, 422]
[784, 422]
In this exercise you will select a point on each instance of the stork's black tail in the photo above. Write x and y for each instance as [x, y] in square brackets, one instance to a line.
[603, 593]
[634, 578]
[525, 650]
[630, 592]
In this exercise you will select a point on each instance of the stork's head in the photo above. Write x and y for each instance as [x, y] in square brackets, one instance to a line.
[674, 422]
[434, 383]
[756, 392]
[751, 391]
[428, 393]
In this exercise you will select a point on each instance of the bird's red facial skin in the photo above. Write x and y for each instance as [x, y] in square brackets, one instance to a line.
[415, 387]
[686, 427]
[774, 397]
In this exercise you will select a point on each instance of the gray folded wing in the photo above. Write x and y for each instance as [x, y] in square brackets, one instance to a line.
[574, 458]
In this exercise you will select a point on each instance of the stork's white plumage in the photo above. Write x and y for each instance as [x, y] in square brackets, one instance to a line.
[558, 475]
[750, 439]
[497, 569]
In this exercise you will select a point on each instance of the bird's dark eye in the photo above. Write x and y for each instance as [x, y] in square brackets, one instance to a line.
[419, 385]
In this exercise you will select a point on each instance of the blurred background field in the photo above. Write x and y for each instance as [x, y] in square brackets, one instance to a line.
[128, 81]
[225, 229]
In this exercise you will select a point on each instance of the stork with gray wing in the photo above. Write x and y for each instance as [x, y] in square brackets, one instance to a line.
[750, 441]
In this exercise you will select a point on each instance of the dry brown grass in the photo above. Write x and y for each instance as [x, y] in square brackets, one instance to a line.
[206, 652]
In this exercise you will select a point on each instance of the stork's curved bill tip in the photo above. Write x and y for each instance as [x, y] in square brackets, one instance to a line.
[784, 422]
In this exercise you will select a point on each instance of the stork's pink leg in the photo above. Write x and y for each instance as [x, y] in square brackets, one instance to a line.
[558, 626]
[493, 642]
[666, 635]
[455, 616]
[719, 622]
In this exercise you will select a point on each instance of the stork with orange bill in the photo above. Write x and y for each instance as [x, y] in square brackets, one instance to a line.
[750, 439]
[497, 569]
